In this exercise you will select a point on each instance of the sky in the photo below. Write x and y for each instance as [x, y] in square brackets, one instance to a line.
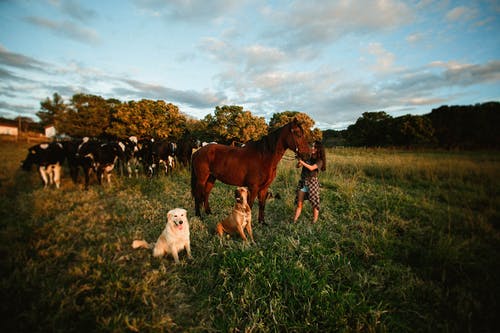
[333, 60]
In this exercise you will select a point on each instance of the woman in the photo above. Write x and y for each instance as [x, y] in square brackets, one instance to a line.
[308, 187]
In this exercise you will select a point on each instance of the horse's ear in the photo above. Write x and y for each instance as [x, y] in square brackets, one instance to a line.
[296, 123]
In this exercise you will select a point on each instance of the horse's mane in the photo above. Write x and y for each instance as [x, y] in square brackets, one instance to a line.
[268, 142]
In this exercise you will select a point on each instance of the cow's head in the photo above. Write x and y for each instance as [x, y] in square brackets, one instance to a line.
[35, 155]
[31, 159]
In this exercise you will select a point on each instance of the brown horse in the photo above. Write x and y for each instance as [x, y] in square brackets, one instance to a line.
[253, 165]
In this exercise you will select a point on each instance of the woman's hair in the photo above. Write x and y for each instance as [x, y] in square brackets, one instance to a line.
[320, 151]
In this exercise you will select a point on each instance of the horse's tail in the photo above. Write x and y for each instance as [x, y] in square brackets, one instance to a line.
[195, 191]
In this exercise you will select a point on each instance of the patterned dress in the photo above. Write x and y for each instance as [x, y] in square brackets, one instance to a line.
[309, 179]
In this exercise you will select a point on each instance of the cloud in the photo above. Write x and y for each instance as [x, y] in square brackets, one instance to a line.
[6, 75]
[66, 29]
[415, 37]
[9, 110]
[313, 23]
[254, 58]
[186, 10]
[74, 9]
[19, 60]
[384, 59]
[461, 13]
[259, 56]
[469, 74]
[205, 99]
[425, 101]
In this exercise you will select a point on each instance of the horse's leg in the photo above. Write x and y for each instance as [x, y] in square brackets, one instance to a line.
[252, 195]
[198, 197]
[208, 187]
[197, 202]
[203, 186]
[262, 205]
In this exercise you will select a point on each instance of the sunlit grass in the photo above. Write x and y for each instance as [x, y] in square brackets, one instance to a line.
[406, 242]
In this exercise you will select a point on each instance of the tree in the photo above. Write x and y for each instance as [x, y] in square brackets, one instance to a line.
[147, 118]
[87, 115]
[232, 124]
[51, 109]
[468, 126]
[411, 130]
[370, 130]
[282, 118]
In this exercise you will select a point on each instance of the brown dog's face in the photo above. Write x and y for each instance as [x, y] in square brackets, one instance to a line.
[241, 194]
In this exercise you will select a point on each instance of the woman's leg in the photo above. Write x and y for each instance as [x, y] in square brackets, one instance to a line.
[300, 201]
[315, 214]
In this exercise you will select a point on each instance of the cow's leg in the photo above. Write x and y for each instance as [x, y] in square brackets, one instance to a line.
[99, 176]
[129, 169]
[165, 165]
[57, 175]
[43, 174]
[50, 172]
[107, 172]
[73, 171]
[87, 171]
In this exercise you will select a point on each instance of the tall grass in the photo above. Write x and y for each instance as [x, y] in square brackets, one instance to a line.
[406, 242]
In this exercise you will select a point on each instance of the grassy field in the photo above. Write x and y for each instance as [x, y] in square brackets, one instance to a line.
[406, 242]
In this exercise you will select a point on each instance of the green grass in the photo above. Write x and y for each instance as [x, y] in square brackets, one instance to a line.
[406, 242]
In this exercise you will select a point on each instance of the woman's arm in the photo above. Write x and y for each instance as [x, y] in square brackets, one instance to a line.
[308, 166]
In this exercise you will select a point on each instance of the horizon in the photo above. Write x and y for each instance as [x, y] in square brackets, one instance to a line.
[267, 122]
[331, 60]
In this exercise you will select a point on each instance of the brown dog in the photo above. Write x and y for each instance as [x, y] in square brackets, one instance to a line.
[173, 239]
[240, 218]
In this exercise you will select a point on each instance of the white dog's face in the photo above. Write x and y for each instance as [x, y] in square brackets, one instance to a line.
[177, 218]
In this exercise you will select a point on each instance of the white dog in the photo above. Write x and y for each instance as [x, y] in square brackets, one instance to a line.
[174, 238]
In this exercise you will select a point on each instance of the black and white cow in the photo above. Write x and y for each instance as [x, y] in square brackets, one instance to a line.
[129, 162]
[74, 162]
[144, 155]
[164, 154]
[48, 157]
[99, 157]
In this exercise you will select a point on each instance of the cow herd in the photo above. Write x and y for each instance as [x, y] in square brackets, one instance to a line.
[129, 157]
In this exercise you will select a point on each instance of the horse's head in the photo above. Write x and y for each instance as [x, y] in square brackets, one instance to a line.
[297, 140]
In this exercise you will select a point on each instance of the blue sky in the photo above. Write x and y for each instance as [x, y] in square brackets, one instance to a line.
[333, 60]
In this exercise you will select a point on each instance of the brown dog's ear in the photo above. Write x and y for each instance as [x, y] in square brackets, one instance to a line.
[236, 193]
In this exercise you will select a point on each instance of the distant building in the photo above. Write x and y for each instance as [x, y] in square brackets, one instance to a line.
[9, 128]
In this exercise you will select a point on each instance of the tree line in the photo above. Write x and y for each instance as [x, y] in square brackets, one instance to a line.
[91, 115]
[449, 127]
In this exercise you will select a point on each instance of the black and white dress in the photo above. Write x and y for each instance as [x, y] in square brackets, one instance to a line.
[309, 183]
